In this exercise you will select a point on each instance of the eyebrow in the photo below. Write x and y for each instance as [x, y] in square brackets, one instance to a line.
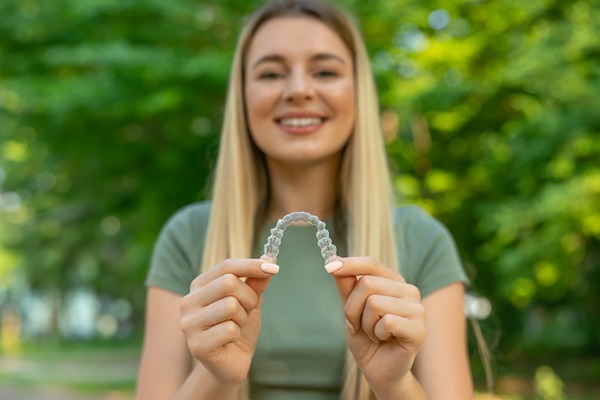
[280, 59]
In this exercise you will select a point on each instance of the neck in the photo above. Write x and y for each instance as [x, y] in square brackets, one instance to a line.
[310, 188]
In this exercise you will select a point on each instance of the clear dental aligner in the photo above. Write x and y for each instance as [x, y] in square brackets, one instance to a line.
[328, 249]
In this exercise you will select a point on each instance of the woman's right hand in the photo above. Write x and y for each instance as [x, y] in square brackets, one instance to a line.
[220, 317]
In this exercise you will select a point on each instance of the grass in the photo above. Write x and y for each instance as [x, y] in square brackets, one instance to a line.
[104, 367]
[85, 368]
[546, 378]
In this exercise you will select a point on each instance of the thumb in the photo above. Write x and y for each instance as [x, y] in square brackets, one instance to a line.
[259, 285]
[344, 283]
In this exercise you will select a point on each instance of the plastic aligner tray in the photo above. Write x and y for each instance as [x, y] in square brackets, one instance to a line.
[328, 249]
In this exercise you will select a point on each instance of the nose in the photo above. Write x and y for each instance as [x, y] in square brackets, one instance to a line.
[299, 88]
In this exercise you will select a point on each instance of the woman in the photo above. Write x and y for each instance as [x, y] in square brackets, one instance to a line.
[301, 133]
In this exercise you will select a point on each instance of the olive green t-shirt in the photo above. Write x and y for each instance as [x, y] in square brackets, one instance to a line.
[301, 348]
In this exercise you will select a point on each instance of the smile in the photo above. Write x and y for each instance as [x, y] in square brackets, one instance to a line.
[300, 122]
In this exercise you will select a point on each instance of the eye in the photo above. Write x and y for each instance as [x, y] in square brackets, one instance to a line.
[326, 73]
[270, 75]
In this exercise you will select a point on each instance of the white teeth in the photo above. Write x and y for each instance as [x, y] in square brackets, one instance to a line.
[301, 121]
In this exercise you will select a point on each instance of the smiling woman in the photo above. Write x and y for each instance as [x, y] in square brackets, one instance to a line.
[302, 132]
[300, 98]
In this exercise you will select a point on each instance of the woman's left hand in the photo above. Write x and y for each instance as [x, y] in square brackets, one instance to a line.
[385, 320]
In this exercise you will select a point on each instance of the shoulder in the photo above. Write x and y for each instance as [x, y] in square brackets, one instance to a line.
[414, 220]
[191, 214]
[178, 251]
[418, 233]
[189, 220]
[427, 251]
[186, 229]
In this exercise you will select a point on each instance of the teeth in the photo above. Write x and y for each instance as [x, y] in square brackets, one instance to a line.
[301, 121]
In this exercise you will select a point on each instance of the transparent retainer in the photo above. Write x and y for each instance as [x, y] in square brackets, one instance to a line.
[328, 249]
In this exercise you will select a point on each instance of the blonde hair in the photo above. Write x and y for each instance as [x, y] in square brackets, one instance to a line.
[240, 188]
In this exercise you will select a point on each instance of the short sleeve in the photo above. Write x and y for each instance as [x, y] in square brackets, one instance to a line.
[429, 253]
[178, 250]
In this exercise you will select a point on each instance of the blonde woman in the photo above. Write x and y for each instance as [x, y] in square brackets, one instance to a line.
[301, 133]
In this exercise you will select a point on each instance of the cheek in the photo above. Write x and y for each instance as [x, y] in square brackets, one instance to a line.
[345, 101]
[258, 105]
[350, 100]
[342, 96]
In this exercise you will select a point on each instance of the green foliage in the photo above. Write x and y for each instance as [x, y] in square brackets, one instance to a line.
[110, 113]
[501, 106]
[548, 385]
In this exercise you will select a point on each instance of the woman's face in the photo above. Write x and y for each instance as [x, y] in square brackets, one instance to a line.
[299, 91]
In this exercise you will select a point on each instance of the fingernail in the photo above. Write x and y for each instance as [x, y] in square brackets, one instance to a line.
[334, 266]
[350, 327]
[269, 268]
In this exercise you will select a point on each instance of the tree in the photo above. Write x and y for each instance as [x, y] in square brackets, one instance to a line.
[110, 113]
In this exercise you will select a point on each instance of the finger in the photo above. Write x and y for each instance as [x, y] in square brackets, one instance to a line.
[358, 266]
[258, 285]
[240, 267]
[213, 338]
[226, 309]
[343, 269]
[409, 332]
[223, 286]
[378, 307]
[367, 286]
[345, 285]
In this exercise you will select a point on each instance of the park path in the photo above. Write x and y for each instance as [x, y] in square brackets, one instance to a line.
[19, 393]
[25, 378]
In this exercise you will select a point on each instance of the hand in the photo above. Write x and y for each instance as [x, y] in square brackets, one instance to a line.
[220, 317]
[385, 320]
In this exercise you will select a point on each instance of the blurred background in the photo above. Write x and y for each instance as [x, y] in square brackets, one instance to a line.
[110, 112]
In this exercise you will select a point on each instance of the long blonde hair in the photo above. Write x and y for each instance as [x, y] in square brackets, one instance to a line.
[241, 190]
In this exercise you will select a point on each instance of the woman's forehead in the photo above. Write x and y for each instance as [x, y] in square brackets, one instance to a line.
[296, 35]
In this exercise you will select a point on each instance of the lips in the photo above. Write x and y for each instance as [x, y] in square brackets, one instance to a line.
[300, 122]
